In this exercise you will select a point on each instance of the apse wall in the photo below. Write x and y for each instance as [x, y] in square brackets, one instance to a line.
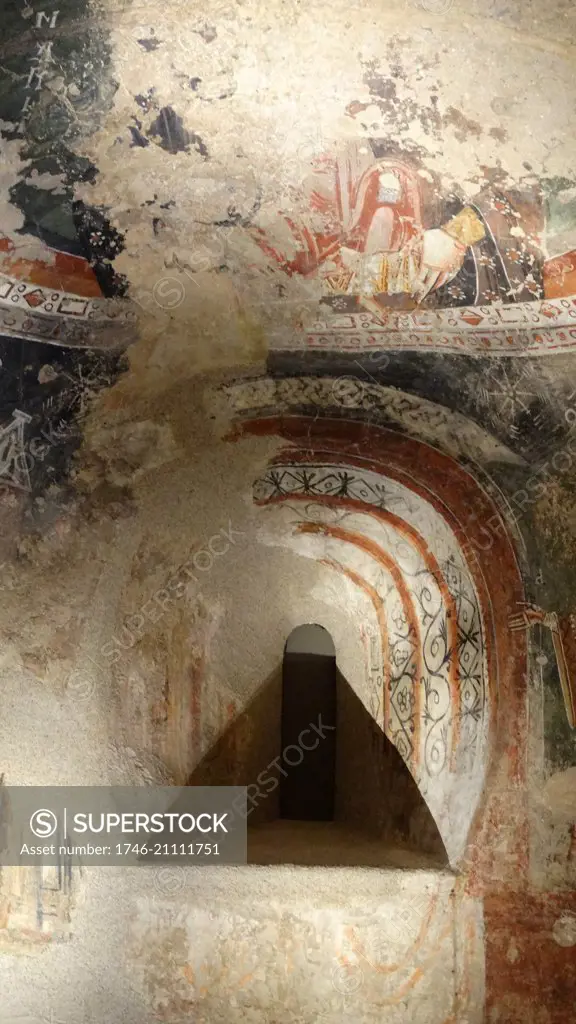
[241, 541]
[160, 625]
[149, 625]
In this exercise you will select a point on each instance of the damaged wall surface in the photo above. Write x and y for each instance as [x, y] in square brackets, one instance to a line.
[288, 335]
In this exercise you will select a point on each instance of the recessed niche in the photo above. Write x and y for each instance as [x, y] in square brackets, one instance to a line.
[325, 785]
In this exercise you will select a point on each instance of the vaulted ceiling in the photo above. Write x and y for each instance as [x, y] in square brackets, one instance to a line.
[376, 193]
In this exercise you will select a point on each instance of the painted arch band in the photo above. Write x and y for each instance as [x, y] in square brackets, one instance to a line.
[429, 691]
[446, 677]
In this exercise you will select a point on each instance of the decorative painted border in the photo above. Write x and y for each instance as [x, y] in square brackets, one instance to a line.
[61, 318]
[434, 424]
[435, 670]
[498, 847]
[492, 344]
[519, 329]
[506, 316]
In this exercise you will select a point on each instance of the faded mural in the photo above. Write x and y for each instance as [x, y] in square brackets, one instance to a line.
[372, 226]
[397, 411]
[63, 319]
[55, 252]
[377, 232]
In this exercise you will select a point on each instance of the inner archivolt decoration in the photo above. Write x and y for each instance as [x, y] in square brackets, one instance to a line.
[428, 689]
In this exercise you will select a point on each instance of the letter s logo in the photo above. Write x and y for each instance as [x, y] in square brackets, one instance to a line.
[169, 292]
[43, 823]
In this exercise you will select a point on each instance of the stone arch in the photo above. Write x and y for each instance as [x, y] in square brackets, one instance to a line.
[310, 638]
[431, 549]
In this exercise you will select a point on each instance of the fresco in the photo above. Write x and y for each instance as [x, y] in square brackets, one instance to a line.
[413, 254]
[429, 689]
[57, 282]
[49, 294]
[349, 500]
[45, 393]
[391, 250]
[376, 232]
[548, 625]
[35, 903]
[563, 633]
[64, 315]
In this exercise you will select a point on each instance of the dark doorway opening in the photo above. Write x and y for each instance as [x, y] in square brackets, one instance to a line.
[308, 726]
[349, 800]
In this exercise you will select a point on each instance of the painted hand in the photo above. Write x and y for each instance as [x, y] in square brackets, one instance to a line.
[442, 257]
[528, 616]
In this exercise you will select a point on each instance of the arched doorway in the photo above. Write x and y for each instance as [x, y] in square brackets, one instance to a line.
[308, 725]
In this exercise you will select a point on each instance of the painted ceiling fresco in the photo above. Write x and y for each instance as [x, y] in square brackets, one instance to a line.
[379, 234]
[386, 246]
[384, 218]
[387, 234]
[55, 251]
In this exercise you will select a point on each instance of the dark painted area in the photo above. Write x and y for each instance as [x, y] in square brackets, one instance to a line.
[55, 40]
[559, 738]
[54, 386]
[150, 44]
[137, 138]
[510, 398]
[56, 85]
[146, 101]
[101, 244]
[399, 112]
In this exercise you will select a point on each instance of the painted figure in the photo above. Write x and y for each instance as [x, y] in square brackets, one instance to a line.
[375, 229]
[563, 630]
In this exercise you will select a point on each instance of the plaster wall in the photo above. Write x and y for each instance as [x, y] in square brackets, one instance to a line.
[250, 943]
[185, 138]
